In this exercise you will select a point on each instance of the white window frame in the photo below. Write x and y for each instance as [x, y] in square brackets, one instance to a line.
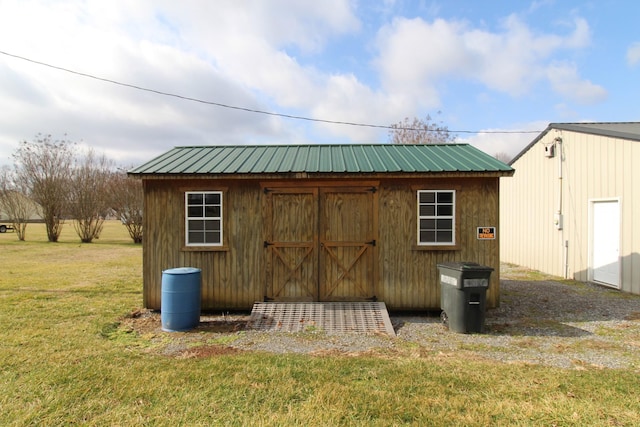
[436, 217]
[204, 217]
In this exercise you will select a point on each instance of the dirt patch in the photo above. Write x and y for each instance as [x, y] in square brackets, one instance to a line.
[633, 316]
[143, 321]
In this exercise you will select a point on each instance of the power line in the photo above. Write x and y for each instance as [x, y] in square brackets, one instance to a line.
[250, 110]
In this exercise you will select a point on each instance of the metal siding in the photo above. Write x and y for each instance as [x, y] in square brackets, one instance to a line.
[364, 163]
[374, 159]
[276, 160]
[218, 160]
[420, 157]
[594, 167]
[528, 202]
[350, 159]
[630, 223]
[389, 164]
[301, 158]
[250, 161]
[401, 157]
[449, 162]
[313, 163]
[266, 158]
[337, 161]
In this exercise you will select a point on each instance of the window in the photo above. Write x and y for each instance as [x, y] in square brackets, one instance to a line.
[436, 217]
[203, 218]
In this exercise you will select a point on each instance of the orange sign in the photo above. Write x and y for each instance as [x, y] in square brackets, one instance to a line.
[486, 233]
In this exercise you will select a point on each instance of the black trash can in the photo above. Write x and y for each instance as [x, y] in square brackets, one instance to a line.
[180, 299]
[463, 295]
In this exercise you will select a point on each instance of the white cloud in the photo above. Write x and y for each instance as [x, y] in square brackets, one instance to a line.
[346, 99]
[633, 54]
[492, 141]
[565, 80]
[221, 52]
[415, 55]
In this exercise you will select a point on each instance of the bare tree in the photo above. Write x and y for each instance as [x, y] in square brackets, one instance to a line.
[503, 157]
[14, 203]
[127, 202]
[89, 195]
[43, 167]
[420, 131]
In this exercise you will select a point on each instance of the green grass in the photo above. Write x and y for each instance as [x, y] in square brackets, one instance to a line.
[64, 360]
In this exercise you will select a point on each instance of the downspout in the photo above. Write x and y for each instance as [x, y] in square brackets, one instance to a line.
[559, 216]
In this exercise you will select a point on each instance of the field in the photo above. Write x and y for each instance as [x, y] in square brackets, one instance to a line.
[64, 360]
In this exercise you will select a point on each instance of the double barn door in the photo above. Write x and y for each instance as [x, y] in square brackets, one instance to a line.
[320, 243]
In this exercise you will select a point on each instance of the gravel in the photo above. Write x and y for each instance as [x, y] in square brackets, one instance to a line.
[539, 322]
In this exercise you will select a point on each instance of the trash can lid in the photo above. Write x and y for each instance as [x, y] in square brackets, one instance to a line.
[465, 266]
[182, 270]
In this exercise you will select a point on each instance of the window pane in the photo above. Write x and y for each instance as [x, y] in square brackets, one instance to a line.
[194, 198]
[445, 224]
[196, 237]
[427, 210]
[445, 236]
[427, 236]
[212, 211]
[194, 212]
[212, 199]
[427, 197]
[196, 225]
[445, 210]
[427, 224]
[212, 237]
[445, 197]
[212, 225]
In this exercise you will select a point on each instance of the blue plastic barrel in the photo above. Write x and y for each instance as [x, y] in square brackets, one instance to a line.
[180, 303]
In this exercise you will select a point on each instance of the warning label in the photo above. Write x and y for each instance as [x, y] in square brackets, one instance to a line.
[486, 233]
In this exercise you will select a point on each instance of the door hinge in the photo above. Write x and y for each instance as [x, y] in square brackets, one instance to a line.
[371, 243]
[267, 244]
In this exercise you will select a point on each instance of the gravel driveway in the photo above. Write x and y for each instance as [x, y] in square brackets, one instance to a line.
[540, 321]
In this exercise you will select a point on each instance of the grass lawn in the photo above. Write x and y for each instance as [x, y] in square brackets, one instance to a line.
[63, 361]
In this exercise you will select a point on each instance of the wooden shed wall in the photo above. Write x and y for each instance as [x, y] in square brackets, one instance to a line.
[409, 276]
[231, 278]
[406, 277]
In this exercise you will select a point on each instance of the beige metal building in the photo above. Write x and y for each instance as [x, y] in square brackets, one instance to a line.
[572, 209]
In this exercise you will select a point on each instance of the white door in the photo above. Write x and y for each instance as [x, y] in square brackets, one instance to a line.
[606, 242]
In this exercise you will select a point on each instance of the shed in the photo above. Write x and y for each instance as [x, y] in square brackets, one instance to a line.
[572, 208]
[319, 222]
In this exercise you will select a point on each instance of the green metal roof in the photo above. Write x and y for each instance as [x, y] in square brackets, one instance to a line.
[346, 158]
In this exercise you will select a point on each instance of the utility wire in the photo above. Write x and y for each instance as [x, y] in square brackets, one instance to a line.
[251, 110]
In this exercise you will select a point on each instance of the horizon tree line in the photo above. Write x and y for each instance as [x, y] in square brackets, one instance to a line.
[57, 181]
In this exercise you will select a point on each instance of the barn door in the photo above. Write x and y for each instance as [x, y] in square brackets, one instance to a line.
[292, 263]
[347, 242]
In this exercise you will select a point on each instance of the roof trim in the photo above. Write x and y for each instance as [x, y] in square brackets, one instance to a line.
[592, 128]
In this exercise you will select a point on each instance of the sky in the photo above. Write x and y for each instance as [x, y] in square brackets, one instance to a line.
[133, 79]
